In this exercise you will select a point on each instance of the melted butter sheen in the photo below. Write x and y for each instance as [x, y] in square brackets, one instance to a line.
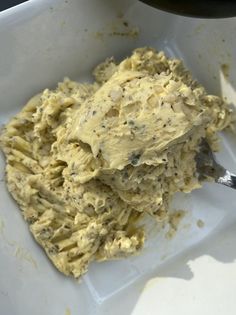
[85, 161]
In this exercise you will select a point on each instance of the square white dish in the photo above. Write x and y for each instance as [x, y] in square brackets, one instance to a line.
[41, 42]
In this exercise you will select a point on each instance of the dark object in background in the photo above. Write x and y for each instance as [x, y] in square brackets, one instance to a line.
[194, 8]
[6, 4]
[197, 8]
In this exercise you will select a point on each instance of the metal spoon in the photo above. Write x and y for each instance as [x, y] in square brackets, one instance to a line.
[208, 167]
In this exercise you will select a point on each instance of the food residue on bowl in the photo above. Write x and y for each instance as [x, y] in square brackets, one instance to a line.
[225, 70]
[200, 223]
[174, 220]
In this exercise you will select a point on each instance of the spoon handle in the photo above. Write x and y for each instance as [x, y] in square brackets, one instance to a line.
[199, 8]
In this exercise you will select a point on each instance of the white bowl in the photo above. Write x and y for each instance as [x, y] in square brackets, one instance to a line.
[43, 41]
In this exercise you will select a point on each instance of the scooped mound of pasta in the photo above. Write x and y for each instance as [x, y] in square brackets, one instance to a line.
[84, 162]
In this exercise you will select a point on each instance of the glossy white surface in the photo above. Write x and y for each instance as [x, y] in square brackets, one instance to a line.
[41, 42]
